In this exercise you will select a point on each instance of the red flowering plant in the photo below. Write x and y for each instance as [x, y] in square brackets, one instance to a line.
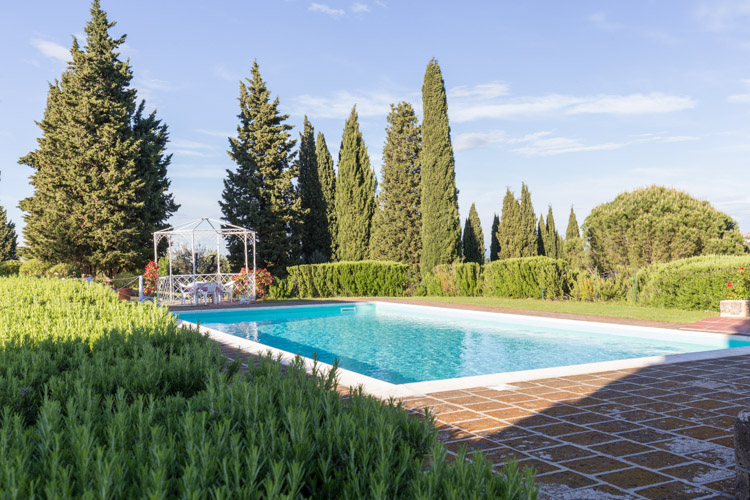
[739, 289]
[150, 276]
[242, 284]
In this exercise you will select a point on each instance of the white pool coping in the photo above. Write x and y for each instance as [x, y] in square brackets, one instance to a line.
[384, 389]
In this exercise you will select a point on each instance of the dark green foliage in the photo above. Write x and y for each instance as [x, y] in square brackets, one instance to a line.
[397, 224]
[355, 194]
[473, 238]
[526, 277]
[99, 171]
[553, 243]
[260, 194]
[657, 224]
[541, 236]
[8, 239]
[441, 226]
[10, 267]
[127, 405]
[494, 242]
[182, 261]
[509, 230]
[697, 283]
[315, 231]
[453, 280]
[327, 178]
[345, 279]
[572, 231]
[527, 225]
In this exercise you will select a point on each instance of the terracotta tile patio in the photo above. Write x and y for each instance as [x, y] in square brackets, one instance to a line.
[656, 432]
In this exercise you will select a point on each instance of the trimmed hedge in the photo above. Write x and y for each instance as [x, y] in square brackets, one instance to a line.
[9, 267]
[526, 277]
[697, 283]
[344, 279]
[453, 280]
[105, 399]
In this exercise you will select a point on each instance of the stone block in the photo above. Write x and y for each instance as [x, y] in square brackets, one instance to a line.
[735, 308]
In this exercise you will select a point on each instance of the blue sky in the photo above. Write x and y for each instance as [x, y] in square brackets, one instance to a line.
[580, 100]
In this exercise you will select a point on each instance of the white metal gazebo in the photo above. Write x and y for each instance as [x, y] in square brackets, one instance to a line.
[218, 286]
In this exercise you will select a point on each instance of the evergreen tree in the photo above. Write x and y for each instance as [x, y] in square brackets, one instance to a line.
[509, 231]
[541, 237]
[327, 179]
[441, 226]
[527, 225]
[553, 245]
[355, 194]
[8, 239]
[261, 194]
[494, 242]
[315, 232]
[397, 224]
[99, 171]
[473, 240]
[573, 245]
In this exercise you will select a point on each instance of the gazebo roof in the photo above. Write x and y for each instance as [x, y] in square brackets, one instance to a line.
[204, 225]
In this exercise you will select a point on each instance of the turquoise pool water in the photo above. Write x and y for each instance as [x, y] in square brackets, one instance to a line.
[401, 344]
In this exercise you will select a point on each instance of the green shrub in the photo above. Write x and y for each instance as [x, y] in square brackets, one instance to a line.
[9, 267]
[697, 283]
[615, 286]
[106, 399]
[63, 271]
[453, 280]
[526, 277]
[34, 267]
[346, 279]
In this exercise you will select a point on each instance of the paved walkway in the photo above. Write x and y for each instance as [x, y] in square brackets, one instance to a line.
[656, 432]
[722, 325]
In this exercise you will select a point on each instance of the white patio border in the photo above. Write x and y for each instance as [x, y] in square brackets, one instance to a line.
[384, 389]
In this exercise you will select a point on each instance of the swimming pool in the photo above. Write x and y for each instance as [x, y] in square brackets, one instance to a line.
[404, 344]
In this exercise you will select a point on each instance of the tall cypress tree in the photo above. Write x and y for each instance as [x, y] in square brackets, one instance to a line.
[473, 238]
[99, 171]
[494, 242]
[327, 178]
[509, 230]
[7, 237]
[527, 220]
[355, 194]
[397, 224]
[315, 233]
[553, 242]
[541, 237]
[441, 226]
[573, 245]
[261, 194]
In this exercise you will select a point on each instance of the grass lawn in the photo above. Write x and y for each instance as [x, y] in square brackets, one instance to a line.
[570, 307]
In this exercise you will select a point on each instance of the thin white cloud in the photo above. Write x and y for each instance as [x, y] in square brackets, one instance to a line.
[339, 105]
[482, 91]
[475, 140]
[216, 133]
[742, 98]
[324, 9]
[601, 21]
[51, 49]
[633, 104]
[156, 84]
[721, 15]
[360, 8]
[190, 152]
[380, 3]
[184, 144]
[226, 74]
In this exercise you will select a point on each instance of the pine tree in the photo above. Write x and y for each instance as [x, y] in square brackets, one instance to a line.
[573, 245]
[397, 224]
[473, 239]
[315, 232]
[99, 171]
[441, 226]
[355, 194]
[541, 237]
[327, 178]
[494, 242]
[527, 223]
[8, 239]
[261, 194]
[509, 230]
[553, 242]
